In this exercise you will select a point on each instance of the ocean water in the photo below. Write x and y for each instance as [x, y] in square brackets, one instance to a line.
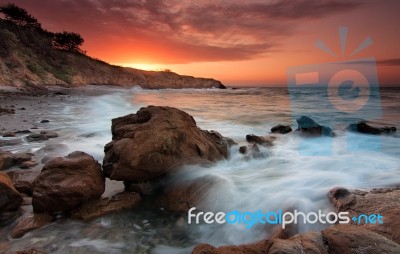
[296, 173]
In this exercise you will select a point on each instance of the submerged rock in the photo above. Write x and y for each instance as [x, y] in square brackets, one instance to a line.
[101, 207]
[29, 223]
[282, 129]
[308, 126]
[34, 137]
[10, 199]
[180, 197]
[156, 141]
[66, 182]
[363, 127]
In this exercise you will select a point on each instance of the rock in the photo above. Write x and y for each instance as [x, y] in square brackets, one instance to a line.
[29, 223]
[363, 127]
[45, 121]
[101, 207]
[28, 164]
[30, 251]
[308, 126]
[6, 111]
[10, 199]
[65, 183]
[282, 129]
[354, 239]
[19, 158]
[10, 142]
[23, 132]
[6, 160]
[264, 141]
[34, 137]
[23, 180]
[311, 242]
[9, 134]
[385, 202]
[49, 134]
[147, 188]
[156, 141]
[180, 197]
[251, 152]
[243, 149]
[253, 248]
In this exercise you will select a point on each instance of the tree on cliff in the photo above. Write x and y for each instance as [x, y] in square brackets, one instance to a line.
[69, 41]
[19, 16]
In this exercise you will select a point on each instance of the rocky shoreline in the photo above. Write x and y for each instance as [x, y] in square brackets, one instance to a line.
[154, 143]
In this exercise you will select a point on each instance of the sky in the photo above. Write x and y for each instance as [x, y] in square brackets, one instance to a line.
[241, 43]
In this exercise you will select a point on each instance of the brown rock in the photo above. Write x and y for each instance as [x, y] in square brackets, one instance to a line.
[156, 141]
[28, 164]
[64, 183]
[22, 157]
[34, 137]
[263, 141]
[385, 202]
[30, 251]
[49, 134]
[311, 242]
[29, 223]
[101, 207]
[354, 239]
[6, 160]
[180, 197]
[253, 248]
[23, 180]
[10, 199]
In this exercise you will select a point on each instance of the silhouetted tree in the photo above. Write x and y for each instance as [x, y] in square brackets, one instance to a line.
[68, 41]
[19, 16]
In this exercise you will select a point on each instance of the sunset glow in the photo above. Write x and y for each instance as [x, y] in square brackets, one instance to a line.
[238, 43]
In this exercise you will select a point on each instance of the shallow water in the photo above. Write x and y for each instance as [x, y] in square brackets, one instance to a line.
[295, 173]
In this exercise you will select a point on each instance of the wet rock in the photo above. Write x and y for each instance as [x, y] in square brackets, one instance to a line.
[19, 158]
[243, 149]
[34, 137]
[282, 129]
[6, 111]
[263, 141]
[363, 127]
[23, 132]
[311, 242]
[6, 160]
[23, 180]
[180, 197]
[156, 141]
[253, 248]
[45, 121]
[30, 251]
[49, 134]
[29, 223]
[101, 207]
[10, 142]
[385, 202]
[144, 188]
[9, 134]
[10, 199]
[66, 182]
[28, 164]
[354, 239]
[308, 126]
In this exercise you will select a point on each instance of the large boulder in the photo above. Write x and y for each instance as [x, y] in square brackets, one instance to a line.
[23, 180]
[308, 126]
[10, 199]
[66, 182]
[156, 141]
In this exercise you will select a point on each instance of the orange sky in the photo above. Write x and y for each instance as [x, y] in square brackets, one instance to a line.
[239, 43]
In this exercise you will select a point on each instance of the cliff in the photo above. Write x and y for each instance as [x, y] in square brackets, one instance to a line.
[29, 59]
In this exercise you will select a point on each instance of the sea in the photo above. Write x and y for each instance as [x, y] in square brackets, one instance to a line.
[297, 172]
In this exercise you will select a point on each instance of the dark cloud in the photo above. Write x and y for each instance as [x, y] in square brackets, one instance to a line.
[192, 30]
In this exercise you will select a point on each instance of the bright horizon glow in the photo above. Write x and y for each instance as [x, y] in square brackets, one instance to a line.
[143, 66]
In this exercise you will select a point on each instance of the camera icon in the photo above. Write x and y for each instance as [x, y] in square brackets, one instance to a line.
[334, 94]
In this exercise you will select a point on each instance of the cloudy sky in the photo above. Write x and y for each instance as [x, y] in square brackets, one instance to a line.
[238, 42]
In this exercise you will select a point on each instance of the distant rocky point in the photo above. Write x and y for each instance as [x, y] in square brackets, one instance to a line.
[32, 57]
